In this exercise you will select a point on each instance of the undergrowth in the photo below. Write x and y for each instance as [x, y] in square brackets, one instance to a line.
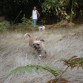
[4, 25]
[26, 24]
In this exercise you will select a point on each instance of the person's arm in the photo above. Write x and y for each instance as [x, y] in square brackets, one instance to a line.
[38, 14]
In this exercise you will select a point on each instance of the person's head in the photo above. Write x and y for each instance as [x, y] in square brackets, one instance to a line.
[34, 8]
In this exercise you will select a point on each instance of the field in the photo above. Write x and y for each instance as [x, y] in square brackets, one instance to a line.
[61, 43]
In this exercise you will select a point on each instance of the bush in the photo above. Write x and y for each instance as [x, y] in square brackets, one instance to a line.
[4, 25]
[25, 25]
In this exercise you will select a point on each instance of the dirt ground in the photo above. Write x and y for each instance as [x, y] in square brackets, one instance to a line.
[61, 43]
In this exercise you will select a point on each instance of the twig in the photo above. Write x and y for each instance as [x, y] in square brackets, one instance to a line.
[59, 78]
[17, 16]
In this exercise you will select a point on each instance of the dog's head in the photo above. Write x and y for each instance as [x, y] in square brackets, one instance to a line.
[41, 28]
[38, 45]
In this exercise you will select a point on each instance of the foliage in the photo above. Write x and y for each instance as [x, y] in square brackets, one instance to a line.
[56, 7]
[30, 68]
[64, 9]
[26, 24]
[74, 62]
[49, 5]
[4, 25]
[61, 9]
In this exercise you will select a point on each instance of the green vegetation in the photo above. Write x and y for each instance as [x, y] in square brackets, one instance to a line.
[30, 68]
[5, 25]
[64, 9]
[26, 24]
[72, 62]
[59, 9]
[18, 12]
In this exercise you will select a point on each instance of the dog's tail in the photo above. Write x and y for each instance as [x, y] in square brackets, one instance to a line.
[27, 34]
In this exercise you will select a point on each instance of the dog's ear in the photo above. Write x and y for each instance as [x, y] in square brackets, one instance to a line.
[42, 40]
[27, 34]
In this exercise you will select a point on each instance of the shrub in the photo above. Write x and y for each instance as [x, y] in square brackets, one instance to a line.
[25, 25]
[4, 25]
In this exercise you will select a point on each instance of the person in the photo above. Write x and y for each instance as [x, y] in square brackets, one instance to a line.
[35, 16]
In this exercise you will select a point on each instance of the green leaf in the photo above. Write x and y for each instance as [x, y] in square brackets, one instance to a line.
[30, 68]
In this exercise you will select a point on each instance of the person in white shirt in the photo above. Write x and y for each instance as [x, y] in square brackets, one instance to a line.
[35, 16]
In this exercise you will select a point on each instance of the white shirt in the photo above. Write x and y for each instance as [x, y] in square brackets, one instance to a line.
[34, 14]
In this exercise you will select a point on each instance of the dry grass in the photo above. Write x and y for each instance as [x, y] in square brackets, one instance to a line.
[61, 43]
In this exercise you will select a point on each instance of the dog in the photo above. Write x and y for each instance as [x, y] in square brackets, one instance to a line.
[37, 44]
[41, 28]
[39, 47]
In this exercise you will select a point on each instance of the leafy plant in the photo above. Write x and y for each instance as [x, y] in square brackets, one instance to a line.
[26, 22]
[50, 5]
[74, 62]
[63, 9]
[25, 25]
[30, 68]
